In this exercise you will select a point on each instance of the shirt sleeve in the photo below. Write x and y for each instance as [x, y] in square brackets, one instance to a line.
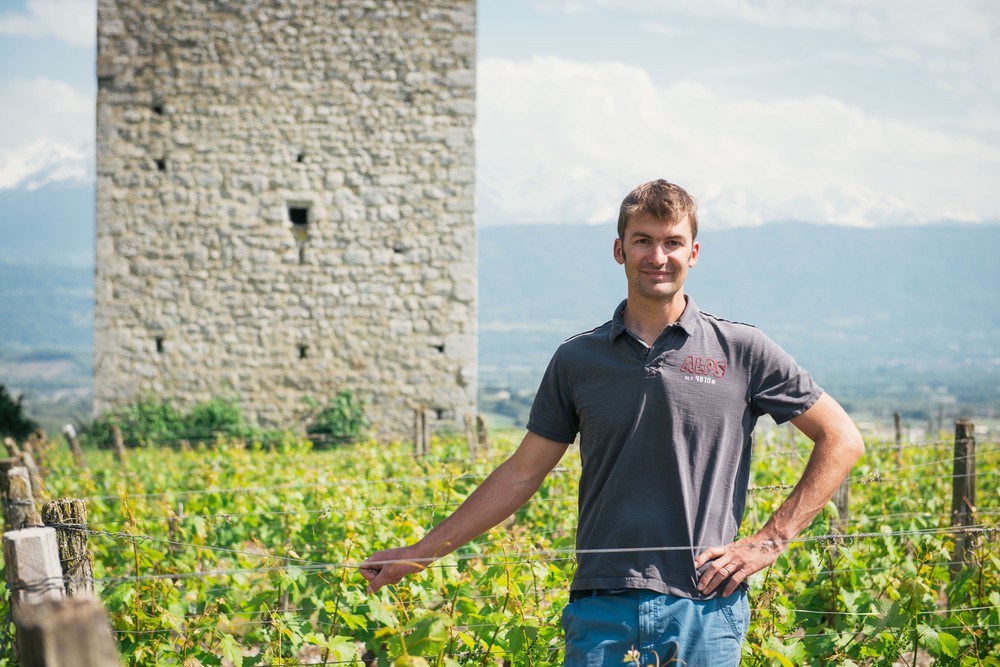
[553, 415]
[779, 387]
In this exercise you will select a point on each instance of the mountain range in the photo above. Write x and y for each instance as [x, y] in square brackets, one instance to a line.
[893, 314]
[880, 316]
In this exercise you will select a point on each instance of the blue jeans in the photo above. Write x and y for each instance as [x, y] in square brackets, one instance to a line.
[600, 630]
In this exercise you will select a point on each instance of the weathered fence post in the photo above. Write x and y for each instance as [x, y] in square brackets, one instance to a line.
[418, 432]
[24, 457]
[31, 556]
[52, 630]
[36, 445]
[963, 493]
[838, 524]
[18, 501]
[470, 437]
[34, 474]
[841, 498]
[422, 434]
[67, 633]
[483, 435]
[33, 574]
[74, 445]
[898, 422]
[119, 443]
[69, 517]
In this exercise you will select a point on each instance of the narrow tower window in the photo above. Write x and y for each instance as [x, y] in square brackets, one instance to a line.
[303, 351]
[161, 164]
[299, 217]
[159, 344]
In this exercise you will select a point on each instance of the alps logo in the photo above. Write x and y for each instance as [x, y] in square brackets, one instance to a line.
[700, 369]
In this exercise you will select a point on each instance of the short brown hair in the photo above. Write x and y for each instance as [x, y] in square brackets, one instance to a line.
[663, 201]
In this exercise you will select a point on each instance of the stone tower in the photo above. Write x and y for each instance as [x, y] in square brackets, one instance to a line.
[285, 206]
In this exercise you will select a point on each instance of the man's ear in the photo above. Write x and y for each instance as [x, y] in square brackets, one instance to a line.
[695, 252]
[619, 251]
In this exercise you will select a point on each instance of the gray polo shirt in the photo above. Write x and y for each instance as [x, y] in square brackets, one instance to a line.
[665, 440]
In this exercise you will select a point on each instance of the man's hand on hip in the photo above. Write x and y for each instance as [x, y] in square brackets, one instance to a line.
[734, 563]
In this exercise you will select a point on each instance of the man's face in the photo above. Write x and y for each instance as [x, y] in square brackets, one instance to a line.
[656, 257]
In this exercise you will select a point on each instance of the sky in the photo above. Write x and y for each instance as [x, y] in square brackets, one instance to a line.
[856, 112]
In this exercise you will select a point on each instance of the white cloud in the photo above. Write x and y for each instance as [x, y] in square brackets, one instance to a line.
[47, 135]
[70, 21]
[42, 162]
[956, 40]
[561, 141]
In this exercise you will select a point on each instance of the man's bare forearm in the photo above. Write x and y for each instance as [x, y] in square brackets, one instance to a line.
[500, 495]
[837, 445]
[831, 461]
[497, 498]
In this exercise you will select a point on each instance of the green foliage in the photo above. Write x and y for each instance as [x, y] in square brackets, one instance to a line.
[154, 421]
[13, 421]
[342, 419]
[213, 417]
[247, 552]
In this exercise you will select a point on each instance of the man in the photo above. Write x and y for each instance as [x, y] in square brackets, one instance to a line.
[664, 398]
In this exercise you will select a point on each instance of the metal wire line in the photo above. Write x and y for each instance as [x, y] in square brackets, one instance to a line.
[843, 633]
[289, 486]
[437, 602]
[933, 612]
[517, 557]
[325, 511]
[871, 478]
[861, 479]
[373, 510]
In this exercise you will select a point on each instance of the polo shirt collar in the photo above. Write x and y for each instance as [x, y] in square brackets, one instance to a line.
[686, 322]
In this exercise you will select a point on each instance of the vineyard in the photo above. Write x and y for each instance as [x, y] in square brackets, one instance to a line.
[239, 553]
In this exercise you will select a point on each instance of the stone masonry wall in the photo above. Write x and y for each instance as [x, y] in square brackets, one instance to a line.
[285, 205]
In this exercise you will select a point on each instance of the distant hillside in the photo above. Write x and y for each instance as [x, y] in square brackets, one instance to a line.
[911, 311]
[51, 225]
[46, 307]
[907, 315]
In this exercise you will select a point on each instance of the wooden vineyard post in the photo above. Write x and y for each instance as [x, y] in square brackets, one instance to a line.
[963, 493]
[74, 445]
[18, 501]
[119, 443]
[6, 465]
[470, 437]
[69, 517]
[841, 498]
[838, 525]
[24, 457]
[898, 421]
[418, 432]
[73, 631]
[35, 446]
[483, 435]
[34, 473]
[32, 560]
[422, 433]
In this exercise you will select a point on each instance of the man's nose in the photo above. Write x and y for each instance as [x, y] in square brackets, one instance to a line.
[660, 254]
